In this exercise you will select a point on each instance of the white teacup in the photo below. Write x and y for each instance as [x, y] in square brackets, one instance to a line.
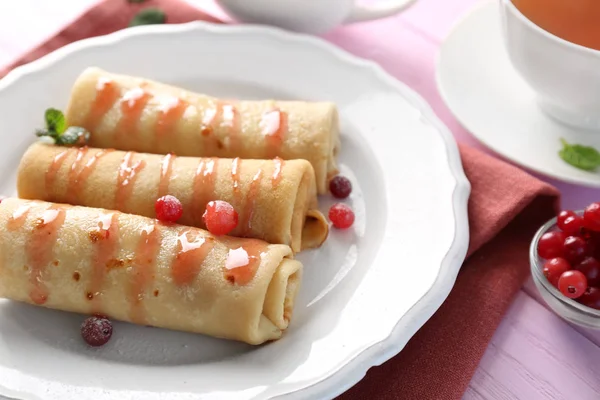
[310, 16]
[565, 76]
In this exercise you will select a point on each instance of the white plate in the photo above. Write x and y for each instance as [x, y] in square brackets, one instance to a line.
[366, 291]
[489, 98]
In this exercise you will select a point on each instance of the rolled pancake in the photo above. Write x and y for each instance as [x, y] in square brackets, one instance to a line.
[276, 200]
[135, 269]
[128, 113]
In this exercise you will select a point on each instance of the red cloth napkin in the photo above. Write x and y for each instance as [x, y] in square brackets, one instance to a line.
[107, 17]
[506, 207]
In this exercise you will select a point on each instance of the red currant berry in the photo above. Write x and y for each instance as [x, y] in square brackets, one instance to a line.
[168, 208]
[572, 225]
[341, 216]
[560, 219]
[572, 284]
[594, 237]
[554, 268]
[590, 267]
[220, 217]
[591, 217]
[575, 249]
[592, 242]
[340, 187]
[591, 298]
[551, 245]
[96, 331]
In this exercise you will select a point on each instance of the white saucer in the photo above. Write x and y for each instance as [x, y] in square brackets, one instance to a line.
[489, 98]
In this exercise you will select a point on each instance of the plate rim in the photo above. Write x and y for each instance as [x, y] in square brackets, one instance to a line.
[418, 314]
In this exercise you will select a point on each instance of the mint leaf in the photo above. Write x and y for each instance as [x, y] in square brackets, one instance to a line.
[148, 16]
[55, 120]
[74, 135]
[42, 132]
[582, 157]
[57, 132]
[47, 139]
[49, 136]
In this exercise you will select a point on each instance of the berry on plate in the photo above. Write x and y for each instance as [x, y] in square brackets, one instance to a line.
[220, 217]
[96, 331]
[168, 208]
[341, 216]
[340, 187]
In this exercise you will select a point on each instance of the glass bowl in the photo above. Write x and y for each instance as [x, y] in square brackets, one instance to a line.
[567, 308]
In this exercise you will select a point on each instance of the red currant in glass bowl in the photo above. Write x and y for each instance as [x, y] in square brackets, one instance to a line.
[565, 265]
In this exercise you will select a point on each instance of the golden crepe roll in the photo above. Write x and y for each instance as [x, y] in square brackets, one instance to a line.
[276, 200]
[129, 113]
[136, 269]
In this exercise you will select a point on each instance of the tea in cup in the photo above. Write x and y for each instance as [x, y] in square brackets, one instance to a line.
[555, 46]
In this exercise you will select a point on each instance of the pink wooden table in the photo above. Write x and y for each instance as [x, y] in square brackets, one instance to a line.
[534, 354]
